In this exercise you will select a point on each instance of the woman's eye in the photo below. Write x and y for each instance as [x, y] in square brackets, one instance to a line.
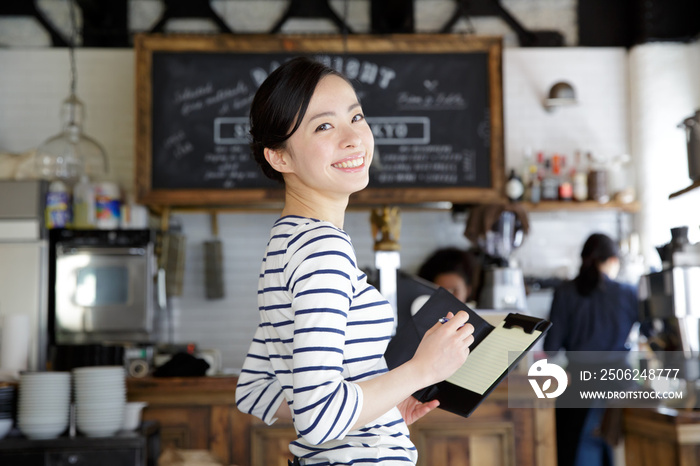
[323, 127]
[358, 117]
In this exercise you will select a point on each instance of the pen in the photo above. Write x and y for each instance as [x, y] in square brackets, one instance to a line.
[444, 320]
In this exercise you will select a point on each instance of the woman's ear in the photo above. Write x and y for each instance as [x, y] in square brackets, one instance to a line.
[278, 159]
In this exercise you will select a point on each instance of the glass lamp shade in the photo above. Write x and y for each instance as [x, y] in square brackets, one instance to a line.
[70, 154]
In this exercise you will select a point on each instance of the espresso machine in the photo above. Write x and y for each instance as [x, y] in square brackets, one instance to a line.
[503, 286]
[670, 307]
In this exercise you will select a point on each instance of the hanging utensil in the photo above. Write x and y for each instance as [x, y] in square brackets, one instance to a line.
[214, 262]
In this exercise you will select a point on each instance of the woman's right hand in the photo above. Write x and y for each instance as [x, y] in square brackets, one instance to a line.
[444, 348]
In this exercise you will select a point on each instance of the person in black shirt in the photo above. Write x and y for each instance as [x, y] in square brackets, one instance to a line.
[592, 312]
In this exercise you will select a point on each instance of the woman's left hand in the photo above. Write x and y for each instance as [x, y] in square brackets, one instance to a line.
[412, 409]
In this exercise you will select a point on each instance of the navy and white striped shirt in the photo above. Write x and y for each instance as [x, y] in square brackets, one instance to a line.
[322, 329]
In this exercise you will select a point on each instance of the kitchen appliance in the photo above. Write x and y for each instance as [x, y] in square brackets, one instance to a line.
[692, 136]
[102, 286]
[692, 133]
[503, 286]
[24, 261]
[670, 307]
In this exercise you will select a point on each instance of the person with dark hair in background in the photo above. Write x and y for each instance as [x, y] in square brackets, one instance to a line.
[450, 268]
[317, 354]
[592, 312]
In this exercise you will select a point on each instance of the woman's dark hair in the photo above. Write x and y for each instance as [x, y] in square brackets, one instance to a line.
[447, 260]
[280, 104]
[597, 249]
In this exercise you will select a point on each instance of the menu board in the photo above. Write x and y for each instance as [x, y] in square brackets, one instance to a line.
[434, 107]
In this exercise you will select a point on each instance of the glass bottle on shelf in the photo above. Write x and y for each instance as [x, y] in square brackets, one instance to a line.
[579, 179]
[527, 161]
[565, 188]
[534, 188]
[515, 189]
[597, 180]
[84, 204]
[550, 185]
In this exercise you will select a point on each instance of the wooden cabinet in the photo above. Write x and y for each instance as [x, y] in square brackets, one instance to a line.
[493, 435]
[194, 413]
[662, 436]
[200, 413]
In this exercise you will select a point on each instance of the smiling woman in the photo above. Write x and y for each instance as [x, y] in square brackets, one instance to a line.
[329, 155]
[323, 329]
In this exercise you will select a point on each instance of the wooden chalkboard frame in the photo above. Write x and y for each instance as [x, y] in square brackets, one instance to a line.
[145, 45]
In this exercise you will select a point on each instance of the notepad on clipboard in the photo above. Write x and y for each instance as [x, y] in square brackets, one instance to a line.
[494, 352]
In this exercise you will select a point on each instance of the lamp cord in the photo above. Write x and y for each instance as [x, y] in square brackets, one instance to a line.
[71, 47]
[345, 26]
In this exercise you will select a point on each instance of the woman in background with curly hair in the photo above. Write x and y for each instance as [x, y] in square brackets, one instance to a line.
[450, 268]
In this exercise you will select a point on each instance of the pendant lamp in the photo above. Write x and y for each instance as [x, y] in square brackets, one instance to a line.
[71, 154]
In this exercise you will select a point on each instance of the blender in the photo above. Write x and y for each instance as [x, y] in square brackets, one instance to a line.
[503, 285]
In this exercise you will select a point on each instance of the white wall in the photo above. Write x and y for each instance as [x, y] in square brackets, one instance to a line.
[665, 90]
[598, 123]
[609, 83]
[28, 114]
[34, 82]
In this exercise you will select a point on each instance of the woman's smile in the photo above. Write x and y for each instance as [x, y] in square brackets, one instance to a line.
[350, 164]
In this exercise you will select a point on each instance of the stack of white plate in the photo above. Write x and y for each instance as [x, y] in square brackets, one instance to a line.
[44, 403]
[100, 397]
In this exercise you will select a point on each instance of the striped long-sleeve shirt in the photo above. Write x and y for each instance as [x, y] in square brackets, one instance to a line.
[322, 329]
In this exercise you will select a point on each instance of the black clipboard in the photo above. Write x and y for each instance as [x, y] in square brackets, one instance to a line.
[454, 398]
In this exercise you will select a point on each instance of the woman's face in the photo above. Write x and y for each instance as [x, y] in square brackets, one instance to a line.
[332, 149]
[453, 283]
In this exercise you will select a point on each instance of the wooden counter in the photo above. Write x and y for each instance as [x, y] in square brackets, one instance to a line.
[662, 436]
[200, 413]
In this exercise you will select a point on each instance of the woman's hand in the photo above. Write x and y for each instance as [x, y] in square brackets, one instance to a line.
[412, 409]
[444, 348]
[441, 352]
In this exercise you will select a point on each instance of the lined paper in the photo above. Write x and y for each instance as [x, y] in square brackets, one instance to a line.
[490, 358]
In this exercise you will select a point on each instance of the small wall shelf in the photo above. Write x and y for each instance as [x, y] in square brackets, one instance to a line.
[586, 206]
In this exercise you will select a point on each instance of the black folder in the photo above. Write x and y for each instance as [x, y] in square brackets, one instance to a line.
[455, 398]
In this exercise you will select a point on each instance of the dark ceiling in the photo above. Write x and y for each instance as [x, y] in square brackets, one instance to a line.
[600, 22]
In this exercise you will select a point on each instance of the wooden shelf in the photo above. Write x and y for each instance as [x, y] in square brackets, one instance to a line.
[586, 206]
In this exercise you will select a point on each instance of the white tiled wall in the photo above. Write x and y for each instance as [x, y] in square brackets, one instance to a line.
[29, 105]
[229, 324]
[28, 114]
[598, 123]
[34, 82]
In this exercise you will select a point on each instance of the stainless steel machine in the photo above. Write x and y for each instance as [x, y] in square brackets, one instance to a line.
[102, 298]
[670, 307]
[503, 284]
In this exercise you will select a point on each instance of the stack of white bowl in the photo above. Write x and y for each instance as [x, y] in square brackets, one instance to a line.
[44, 403]
[100, 397]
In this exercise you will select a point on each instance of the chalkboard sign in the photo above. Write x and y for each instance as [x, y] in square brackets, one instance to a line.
[433, 102]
